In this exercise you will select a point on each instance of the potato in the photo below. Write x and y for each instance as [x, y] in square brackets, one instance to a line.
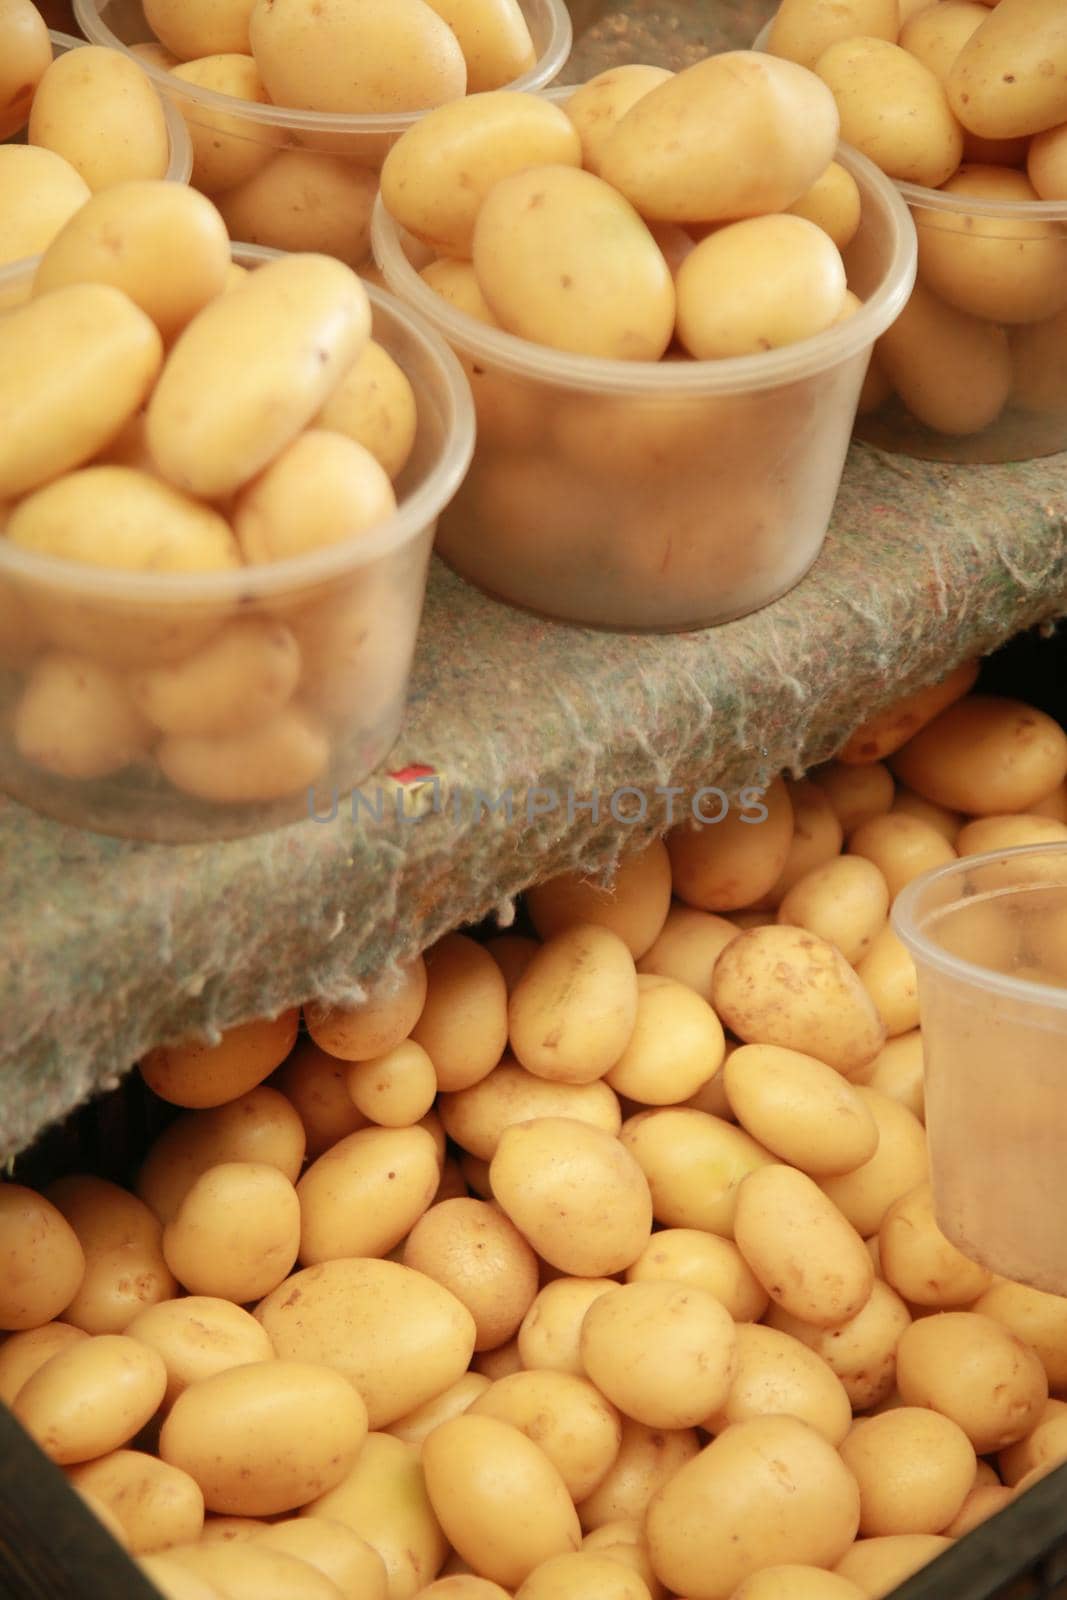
[596, 107]
[647, 1459]
[125, 1270]
[817, 838]
[799, 1109]
[383, 1500]
[578, 1429]
[694, 1164]
[664, 1353]
[856, 794]
[688, 947]
[833, 203]
[91, 1397]
[946, 822]
[676, 1046]
[898, 1165]
[623, 1541]
[566, 1578]
[769, 1490]
[362, 1196]
[378, 1024]
[260, 1126]
[480, 1257]
[704, 1261]
[914, 1467]
[975, 1371]
[374, 404]
[39, 192]
[549, 1337]
[803, 29]
[897, 1071]
[261, 362]
[921, 1264]
[901, 847]
[861, 1351]
[243, 1435]
[936, 35]
[246, 1571]
[236, 1232]
[476, 1117]
[76, 719]
[198, 1336]
[396, 1089]
[564, 260]
[27, 57]
[438, 174]
[191, 28]
[1039, 384]
[781, 985]
[1008, 80]
[316, 1085]
[321, 490]
[985, 756]
[494, 38]
[982, 1502]
[230, 1530]
[457, 282]
[198, 1075]
[463, 1023]
[759, 284]
[302, 200]
[1046, 163]
[778, 1375]
[1039, 1320]
[154, 54]
[634, 905]
[98, 110]
[887, 972]
[803, 1251]
[845, 902]
[452, 1402]
[575, 1192]
[892, 109]
[277, 760]
[42, 1263]
[791, 1582]
[952, 371]
[723, 866]
[23, 1353]
[503, 1362]
[243, 677]
[574, 1010]
[885, 732]
[717, 141]
[396, 1335]
[334, 1550]
[155, 1505]
[228, 149]
[174, 1580]
[1006, 833]
[878, 1566]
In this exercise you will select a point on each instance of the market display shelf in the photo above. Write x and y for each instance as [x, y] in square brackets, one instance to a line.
[108, 948]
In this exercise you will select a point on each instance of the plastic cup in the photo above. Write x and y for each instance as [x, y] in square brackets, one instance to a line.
[352, 608]
[988, 935]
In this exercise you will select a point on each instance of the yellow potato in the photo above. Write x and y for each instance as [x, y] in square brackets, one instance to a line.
[647, 1459]
[475, 1118]
[569, 1577]
[155, 54]
[457, 282]
[575, 1192]
[791, 1582]
[817, 839]
[845, 902]
[395, 1089]
[452, 1402]
[1007, 833]
[22, 1353]
[803, 29]
[677, 1045]
[244, 676]
[706, 1261]
[396, 1335]
[897, 1071]
[191, 28]
[175, 1581]
[578, 1429]
[717, 142]
[320, 490]
[437, 175]
[462, 1024]
[198, 1336]
[946, 822]
[549, 1337]
[97, 109]
[502, 1504]
[303, 200]
[479, 1256]
[801, 1248]
[126, 236]
[332, 1549]
[985, 756]
[39, 193]
[27, 57]
[199, 1075]
[42, 1263]
[1009, 79]
[898, 1165]
[694, 1164]
[901, 847]
[937, 34]
[383, 1500]
[378, 1024]
[316, 1085]
[923, 1266]
[781, 985]
[91, 1397]
[767, 1491]
[574, 1010]
[664, 1353]
[228, 149]
[230, 1530]
[887, 972]
[246, 1571]
[374, 404]
[260, 362]
[125, 1270]
[280, 758]
[236, 1233]
[1039, 1320]
[362, 1196]
[564, 260]
[1046, 163]
[856, 793]
[982, 1502]
[623, 1541]
[1040, 371]
[975, 1371]
[892, 109]
[75, 718]
[503, 1362]
[688, 947]
[879, 1566]
[634, 904]
[798, 1108]
[599, 104]
[758, 285]
[155, 1505]
[243, 1435]
[725, 865]
[778, 1375]
[861, 1351]
[260, 1126]
[885, 732]
[952, 371]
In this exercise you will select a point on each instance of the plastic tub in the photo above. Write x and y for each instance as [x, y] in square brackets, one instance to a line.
[1005, 398]
[354, 609]
[664, 495]
[310, 176]
[988, 935]
[13, 282]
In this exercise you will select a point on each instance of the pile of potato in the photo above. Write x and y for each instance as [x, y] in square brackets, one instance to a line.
[970, 98]
[91, 119]
[597, 1263]
[166, 412]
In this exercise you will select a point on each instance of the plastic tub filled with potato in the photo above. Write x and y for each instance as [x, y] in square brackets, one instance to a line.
[663, 410]
[221, 482]
[69, 129]
[292, 105]
[966, 108]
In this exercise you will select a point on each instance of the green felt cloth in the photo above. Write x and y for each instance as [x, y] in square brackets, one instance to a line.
[107, 948]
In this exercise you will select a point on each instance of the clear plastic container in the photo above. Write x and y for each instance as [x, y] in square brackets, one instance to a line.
[982, 385]
[988, 935]
[353, 610]
[660, 496]
[13, 282]
[307, 179]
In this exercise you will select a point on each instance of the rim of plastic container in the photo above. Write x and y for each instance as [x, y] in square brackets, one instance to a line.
[916, 194]
[732, 375]
[922, 948]
[548, 64]
[248, 583]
